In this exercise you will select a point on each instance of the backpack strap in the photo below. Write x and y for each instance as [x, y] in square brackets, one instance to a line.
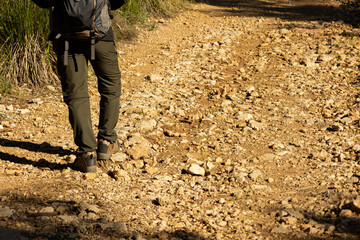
[66, 53]
[92, 48]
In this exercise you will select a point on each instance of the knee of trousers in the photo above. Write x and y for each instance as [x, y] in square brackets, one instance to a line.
[71, 97]
[111, 92]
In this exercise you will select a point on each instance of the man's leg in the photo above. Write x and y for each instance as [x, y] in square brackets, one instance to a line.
[109, 83]
[75, 91]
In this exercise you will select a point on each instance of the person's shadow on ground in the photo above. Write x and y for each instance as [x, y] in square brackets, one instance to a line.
[299, 10]
[33, 147]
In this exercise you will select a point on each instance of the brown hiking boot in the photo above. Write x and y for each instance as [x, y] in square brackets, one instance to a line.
[85, 162]
[106, 149]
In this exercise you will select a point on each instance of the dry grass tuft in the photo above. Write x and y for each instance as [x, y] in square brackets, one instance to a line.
[29, 64]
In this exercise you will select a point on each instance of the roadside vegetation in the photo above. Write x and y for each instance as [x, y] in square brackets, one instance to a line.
[26, 55]
[355, 4]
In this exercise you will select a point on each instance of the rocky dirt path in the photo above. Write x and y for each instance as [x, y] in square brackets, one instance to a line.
[239, 120]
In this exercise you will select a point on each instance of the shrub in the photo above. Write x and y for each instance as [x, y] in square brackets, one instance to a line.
[138, 10]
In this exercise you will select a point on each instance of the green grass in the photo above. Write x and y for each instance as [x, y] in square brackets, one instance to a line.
[138, 10]
[135, 12]
[25, 53]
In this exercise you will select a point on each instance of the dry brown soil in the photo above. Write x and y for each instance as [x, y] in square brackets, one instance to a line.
[239, 120]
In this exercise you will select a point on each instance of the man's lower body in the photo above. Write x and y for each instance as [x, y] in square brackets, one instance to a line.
[74, 82]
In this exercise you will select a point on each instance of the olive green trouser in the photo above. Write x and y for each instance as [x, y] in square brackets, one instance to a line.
[74, 82]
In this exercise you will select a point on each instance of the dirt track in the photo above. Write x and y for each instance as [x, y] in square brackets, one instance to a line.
[239, 120]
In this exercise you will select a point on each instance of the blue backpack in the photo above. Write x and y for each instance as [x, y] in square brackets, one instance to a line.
[80, 20]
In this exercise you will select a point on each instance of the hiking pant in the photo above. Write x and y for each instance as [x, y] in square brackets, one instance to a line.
[74, 82]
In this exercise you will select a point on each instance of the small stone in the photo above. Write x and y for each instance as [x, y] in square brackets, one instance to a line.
[120, 227]
[309, 60]
[119, 157]
[146, 125]
[268, 157]
[281, 229]
[47, 211]
[180, 191]
[50, 129]
[222, 223]
[137, 236]
[92, 216]
[66, 219]
[255, 174]
[121, 175]
[154, 78]
[195, 169]
[138, 151]
[270, 180]
[355, 205]
[344, 213]
[82, 214]
[151, 170]
[10, 108]
[138, 146]
[139, 164]
[290, 220]
[92, 208]
[330, 229]
[244, 116]
[219, 160]
[295, 213]
[356, 148]
[51, 88]
[256, 125]
[324, 58]
[312, 230]
[90, 176]
[48, 229]
[6, 212]
[36, 101]
[24, 111]
[209, 166]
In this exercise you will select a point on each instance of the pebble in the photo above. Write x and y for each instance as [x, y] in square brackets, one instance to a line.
[119, 157]
[47, 211]
[355, 205]
[66, 219]
[121, 175]
[90, 176]
[345, 213]
[256, 125]
[270, 180]
[255, 174]
[146, 125]
[281, 229]
[195, 169]
[151, 170]
[138, 147]
[6, 212]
